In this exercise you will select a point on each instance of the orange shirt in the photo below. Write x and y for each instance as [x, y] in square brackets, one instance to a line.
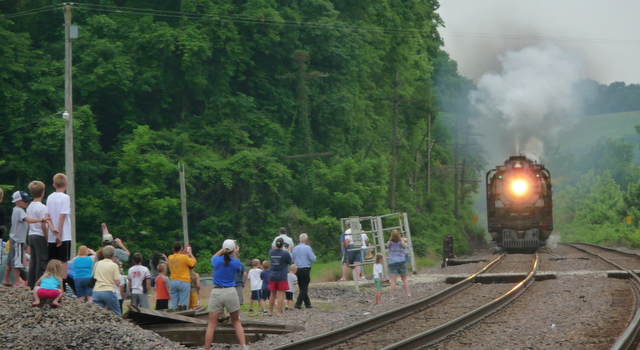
[162, 288]
[179, 265]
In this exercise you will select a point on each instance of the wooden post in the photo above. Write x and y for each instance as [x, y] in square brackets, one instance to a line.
[68, 124]
[183, 199]
[394, 147]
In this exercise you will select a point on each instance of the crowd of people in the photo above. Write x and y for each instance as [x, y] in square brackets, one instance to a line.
[98, 276]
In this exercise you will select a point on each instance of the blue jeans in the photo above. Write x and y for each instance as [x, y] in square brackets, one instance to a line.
[179, 292]
[109, 299]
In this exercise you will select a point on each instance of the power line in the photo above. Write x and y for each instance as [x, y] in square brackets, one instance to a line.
[32, 12]
[257, 20]
[29, 123]
[246, 19]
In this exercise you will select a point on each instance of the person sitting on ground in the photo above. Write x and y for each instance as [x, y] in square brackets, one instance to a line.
[83, 270]
[49, 286]
[223, 295]
[107, 275]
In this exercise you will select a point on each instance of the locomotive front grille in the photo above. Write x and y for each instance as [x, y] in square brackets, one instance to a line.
[520, 239]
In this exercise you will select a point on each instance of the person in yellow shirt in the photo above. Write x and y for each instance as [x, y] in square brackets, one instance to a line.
[180, 281]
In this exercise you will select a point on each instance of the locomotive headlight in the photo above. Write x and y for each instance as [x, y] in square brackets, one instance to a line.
[519, 187]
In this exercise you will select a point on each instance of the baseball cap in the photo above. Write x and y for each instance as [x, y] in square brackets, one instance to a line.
[229, 244]
[21, 196]
[108, 238]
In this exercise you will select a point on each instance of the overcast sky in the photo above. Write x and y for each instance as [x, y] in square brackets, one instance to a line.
[604, 34]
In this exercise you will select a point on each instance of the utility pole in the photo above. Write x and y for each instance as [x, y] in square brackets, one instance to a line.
[429, 157]
[455, 171]
[183, 199]
[394, 143]
[68, 120]
[394, 148]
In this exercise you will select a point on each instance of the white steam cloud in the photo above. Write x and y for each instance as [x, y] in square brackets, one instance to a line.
[528, 102]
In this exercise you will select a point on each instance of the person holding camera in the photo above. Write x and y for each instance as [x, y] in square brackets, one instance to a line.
[397, 263]
[223, 294]
[180, 263]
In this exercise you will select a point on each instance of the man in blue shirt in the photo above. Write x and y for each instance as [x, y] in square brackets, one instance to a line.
[303, 257]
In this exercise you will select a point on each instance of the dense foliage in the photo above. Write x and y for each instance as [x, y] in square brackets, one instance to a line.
[281, 111]
[613, 98]
[596, 192]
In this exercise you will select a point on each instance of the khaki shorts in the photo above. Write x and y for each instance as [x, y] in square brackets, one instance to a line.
[222, 298]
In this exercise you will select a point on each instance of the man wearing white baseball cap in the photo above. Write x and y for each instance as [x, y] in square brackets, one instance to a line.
[223, 295]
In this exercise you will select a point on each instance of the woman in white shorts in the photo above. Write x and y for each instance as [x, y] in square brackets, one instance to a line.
[223, 294]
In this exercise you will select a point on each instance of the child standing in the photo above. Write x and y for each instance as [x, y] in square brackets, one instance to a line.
[58, 210]
[49, 286]
[18, 238]
[122, 287]
[162, 288]
[38, 234]
[265, 293]
[377, 278]
[293, 281]
[195, 288]
[139, 277]
[256, 284]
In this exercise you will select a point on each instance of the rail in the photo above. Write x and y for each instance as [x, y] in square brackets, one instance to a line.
[627, 338]
[434, 335]
[343, 334]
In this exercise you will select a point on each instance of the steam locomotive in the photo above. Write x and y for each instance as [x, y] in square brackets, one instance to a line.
[519, 204]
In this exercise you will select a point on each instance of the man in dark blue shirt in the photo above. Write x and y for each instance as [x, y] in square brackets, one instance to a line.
[303, 257]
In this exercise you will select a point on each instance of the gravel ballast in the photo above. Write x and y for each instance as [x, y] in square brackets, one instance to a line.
[577, 310]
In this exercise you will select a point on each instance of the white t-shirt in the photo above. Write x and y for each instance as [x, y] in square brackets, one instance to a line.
[59, 203]
[377, 271]
[138, 275]
[254, 278]
[293, 280]
[347, 237]
[287, 241]
[123, 280]
[36, 210]
[365, 238]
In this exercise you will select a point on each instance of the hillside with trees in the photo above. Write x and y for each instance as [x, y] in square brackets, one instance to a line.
[285, 113]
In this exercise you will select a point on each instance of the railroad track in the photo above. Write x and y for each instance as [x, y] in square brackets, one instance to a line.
[362, 335]
[629, 338]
